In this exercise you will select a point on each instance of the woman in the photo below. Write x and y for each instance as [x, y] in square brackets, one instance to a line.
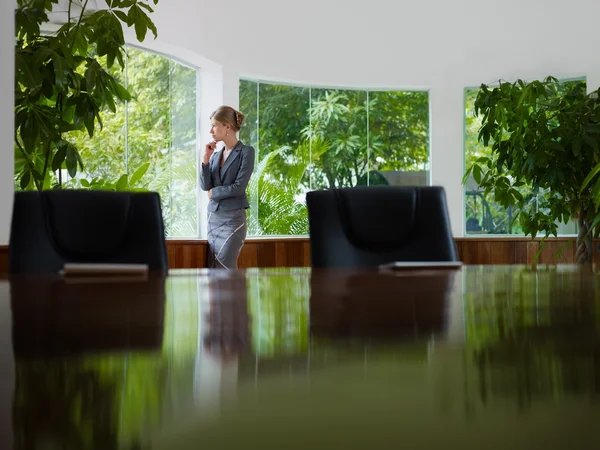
[225, 175]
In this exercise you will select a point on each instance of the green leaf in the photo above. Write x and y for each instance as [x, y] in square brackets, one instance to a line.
[589, 177]
[122, 183]
[477, 173]
[524, 95]
[110, 58]
[90, 79]
[122, 93]
[29, 133]
[84, 183]
[30, 75]
[592, 129]
[59, 158]
[78, 156]
[591, 142]
[577, 146]
[71, 159]
[139, 173]
[122, 16]
[25, 180]
[145, 6]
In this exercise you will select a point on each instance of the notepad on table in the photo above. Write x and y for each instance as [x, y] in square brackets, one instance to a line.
[414, 265]
[87, 269]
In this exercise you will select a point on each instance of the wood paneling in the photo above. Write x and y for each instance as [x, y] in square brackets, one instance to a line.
[3, 259]
[295, 252]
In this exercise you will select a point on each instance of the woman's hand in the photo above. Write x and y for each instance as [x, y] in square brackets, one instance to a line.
[208, 151]
[210, 194]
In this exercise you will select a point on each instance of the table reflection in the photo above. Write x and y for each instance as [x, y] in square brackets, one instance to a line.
[111, 365]
[411, 304]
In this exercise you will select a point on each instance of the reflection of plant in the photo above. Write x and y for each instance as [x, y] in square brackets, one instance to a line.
[61, 85]
[545, 138]
[278, 307]
[64, 405]
[109, 401]
[525, 339]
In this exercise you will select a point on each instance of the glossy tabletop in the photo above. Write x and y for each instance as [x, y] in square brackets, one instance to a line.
[501, 357]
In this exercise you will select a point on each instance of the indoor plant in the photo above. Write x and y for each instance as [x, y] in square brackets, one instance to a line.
[63, 78]
[544, 135]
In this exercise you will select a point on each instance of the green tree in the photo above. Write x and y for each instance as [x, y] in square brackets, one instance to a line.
[542, 135]
[60, 83]
[368, 134]
[483, 212]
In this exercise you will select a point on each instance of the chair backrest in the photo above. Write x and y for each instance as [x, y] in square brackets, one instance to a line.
[52, 228]
[367, 226]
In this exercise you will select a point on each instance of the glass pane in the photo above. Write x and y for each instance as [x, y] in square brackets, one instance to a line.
[339, 138]
[149, 123]
[398, 138]
[103, 155]
[249, 136]
[284, 155]
[184, 210]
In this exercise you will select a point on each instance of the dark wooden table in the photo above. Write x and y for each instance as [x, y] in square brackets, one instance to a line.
[488, 356]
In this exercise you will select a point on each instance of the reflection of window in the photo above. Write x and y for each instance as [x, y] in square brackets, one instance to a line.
[482, 214]
[308, 138]
[157, 127]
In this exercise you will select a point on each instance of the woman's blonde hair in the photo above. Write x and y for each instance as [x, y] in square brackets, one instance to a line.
[226, 114]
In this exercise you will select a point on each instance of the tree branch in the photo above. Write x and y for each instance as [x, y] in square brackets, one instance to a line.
[29, 162]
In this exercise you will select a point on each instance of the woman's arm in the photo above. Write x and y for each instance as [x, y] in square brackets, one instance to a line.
[238, 188]
[206, 180]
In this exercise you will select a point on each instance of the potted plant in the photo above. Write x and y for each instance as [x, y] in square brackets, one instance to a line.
[64, 80]
[545, 136]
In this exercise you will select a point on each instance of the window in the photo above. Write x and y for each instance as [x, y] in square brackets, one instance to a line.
[314, 138]
[157, 128]
[482, 214]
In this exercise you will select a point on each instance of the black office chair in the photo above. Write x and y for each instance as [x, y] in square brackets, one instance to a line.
[367, 226]
[52, 228]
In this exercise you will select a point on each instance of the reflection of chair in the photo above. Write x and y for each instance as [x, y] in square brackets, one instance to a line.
[410, 304]
[53, 317]
[55, 227]
[367, 226]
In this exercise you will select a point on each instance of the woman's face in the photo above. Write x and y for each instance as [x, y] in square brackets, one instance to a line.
[218, 130]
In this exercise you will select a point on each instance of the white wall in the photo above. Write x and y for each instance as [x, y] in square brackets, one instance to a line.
[6, 116]
[433, 44]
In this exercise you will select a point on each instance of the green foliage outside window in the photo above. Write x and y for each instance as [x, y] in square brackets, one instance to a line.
[155, 132]
[310, 138]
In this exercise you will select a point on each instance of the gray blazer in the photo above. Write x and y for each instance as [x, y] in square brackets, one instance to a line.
[228, 183]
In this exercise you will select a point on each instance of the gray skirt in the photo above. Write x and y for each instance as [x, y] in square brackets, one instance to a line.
[226, 236]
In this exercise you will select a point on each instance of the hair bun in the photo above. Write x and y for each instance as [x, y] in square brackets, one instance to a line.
[239, 119]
